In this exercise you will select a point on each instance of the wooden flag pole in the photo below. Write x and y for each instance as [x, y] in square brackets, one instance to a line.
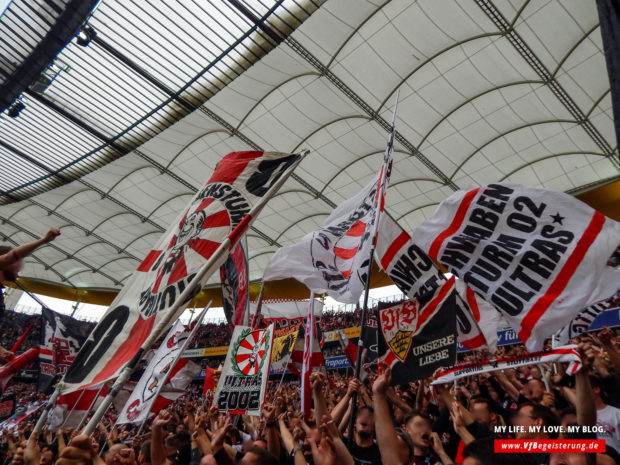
[360, 342]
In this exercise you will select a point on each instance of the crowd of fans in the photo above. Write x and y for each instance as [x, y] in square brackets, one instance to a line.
[211, 334]
[394, 425]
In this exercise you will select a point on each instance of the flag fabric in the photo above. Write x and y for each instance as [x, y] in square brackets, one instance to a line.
[234, 276]
[71, 408]
[209, 382]
[61, 339]
[183, 372]
[306, 368]
[194, 247]
[349, 348]
[481, 330]
[569, 354]
[416, 275]
[15, 365]
[19, 342]
[284, 313]
[335, 258]
[7, 406]
[297, 356]
[539, 256]
[158, 371]
[283, 344]
[243, 382]
[417, 339]
[584, 319]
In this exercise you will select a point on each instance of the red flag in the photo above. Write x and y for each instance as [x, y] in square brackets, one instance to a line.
[209, 381]
[15, 365]
[18, 344]
[348, 347]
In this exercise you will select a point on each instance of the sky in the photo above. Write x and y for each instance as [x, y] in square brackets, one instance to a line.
[95, 312]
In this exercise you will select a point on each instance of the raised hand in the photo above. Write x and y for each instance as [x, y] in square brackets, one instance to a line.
[50, 235]
[382, 382]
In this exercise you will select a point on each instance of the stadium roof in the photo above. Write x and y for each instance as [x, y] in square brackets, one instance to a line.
[134, 122]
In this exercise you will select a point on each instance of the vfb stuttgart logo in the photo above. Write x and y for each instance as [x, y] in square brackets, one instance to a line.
[398, 324]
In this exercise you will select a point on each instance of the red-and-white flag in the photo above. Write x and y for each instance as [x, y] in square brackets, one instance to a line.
[194, 247]
[336, 258]
[284, 313]
[163, 366]
[71, 409]
[539, 256]
[416, 275]
[306, 368]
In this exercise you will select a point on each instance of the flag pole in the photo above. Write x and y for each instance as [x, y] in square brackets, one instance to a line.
[193, 287]
[182, 348]
[360, 342]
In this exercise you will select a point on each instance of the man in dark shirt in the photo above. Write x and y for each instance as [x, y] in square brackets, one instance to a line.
[363, 447]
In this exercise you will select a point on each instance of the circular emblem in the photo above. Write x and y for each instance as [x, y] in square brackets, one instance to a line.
[249, 351]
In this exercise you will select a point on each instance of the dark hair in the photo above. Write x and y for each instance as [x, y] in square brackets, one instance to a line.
[483, 451]
[145, 449]
[549, 418]
[264, 456]
[364, 408]
[595, 381]
[483, 400]
[4, 249]
[416, 413]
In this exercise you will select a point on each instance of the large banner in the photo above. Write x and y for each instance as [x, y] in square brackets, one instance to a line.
[539, 256]
[138, 406]
[286, 313]
[417, 339]
[336, 258]
[242, 384]
[415, 274]
[173, 272]
[61, 339]
[568, 354]
[235, 279]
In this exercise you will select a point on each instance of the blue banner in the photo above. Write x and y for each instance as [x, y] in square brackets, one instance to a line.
[334, 363]
[609, 318]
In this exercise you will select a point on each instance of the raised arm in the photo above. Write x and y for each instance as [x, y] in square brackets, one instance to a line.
[392, 451]
[271, 429]
[341, 407]
[585, 408]
[158, 451]
[26, 249]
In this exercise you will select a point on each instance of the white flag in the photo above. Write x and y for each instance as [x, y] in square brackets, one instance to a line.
[243, 382]
[156, 374]
[539, 256]
[336, 258]
[416, 275]
[194, 246]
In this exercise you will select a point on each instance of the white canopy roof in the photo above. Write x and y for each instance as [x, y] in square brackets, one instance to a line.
[489, 90]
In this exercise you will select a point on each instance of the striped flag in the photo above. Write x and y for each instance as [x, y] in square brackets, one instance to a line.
[335, 259]
[539, 256]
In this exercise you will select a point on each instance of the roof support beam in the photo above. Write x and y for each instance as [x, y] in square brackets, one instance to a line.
[515, 39]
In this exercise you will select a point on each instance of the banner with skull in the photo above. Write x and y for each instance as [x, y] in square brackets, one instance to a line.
[194, 247]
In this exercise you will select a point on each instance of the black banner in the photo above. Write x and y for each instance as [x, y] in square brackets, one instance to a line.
[417, 339]
[61, 339]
